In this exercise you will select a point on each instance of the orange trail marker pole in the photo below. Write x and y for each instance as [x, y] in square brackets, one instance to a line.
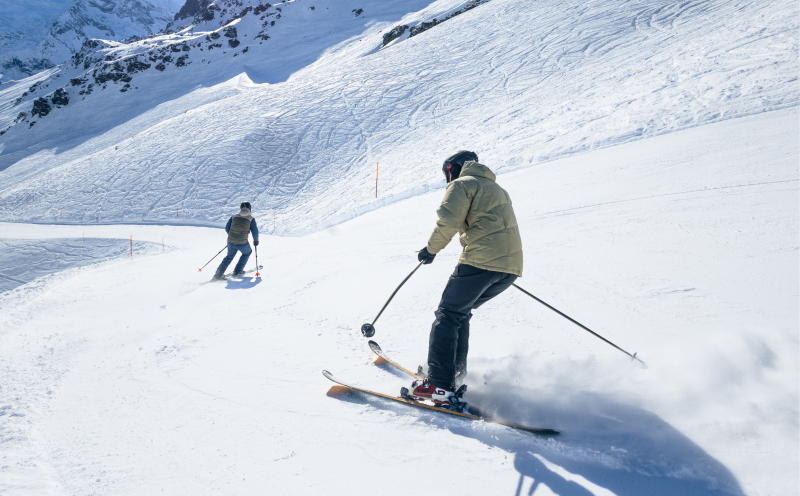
[273, 221]
[176, 211]
[61, 212]
[131, 245]
[162, 244]
[377, 168]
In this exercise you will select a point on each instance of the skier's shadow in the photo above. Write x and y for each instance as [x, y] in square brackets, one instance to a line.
[245, 283]
[603, 445]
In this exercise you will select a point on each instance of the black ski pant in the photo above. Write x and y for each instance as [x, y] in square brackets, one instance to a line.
[468, 287]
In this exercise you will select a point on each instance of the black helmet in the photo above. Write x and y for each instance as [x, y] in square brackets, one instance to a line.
[452, 166]
[245, 205]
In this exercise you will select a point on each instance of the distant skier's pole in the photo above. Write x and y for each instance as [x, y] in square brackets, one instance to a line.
[212, 258]
[377, 168]
[257, 274]
[634, 357]
[368, 330]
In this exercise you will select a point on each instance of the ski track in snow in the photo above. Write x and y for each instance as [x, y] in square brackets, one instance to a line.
[133, 378]
[521, 82]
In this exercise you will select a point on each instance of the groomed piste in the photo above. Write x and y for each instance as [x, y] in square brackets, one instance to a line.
[651, 153]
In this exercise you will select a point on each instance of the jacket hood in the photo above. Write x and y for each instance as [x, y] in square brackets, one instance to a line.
[477, 170]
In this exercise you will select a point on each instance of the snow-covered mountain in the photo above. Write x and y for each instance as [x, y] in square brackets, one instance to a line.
[292, 105]
[40, 34]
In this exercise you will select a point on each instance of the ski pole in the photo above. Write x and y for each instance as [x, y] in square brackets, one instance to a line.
[633, 357]
[257, 274]
[212, 258]
[368, 330]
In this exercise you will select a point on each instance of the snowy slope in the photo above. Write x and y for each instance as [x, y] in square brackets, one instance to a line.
[521, 82]
[25, 261]
[135, 379]
[39, 34]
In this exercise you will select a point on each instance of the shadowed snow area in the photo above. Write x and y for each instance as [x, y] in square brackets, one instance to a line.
[23, 260]
[140, 378]
[522, 82]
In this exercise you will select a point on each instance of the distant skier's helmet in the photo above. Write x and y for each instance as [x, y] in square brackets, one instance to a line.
[245, 205]
[452, 166]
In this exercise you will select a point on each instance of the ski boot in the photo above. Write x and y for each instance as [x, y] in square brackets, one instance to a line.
[218, 276]
[422, 389]
[238, 274]
[461, 374]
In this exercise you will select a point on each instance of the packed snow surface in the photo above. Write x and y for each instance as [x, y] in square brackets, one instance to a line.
[25, 260]
[134, 377]
[298, 122]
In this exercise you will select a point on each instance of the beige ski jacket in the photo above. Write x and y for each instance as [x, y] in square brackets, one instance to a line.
[477, 208]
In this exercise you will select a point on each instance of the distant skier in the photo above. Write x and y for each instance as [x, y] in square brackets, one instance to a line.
[239, 226]
[477, 208]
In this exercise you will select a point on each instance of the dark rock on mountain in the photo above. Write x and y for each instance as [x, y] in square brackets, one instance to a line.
[394, 34]
[112, 76]
[192, 8]
[137, 66]
[60, 97]
[40, 107]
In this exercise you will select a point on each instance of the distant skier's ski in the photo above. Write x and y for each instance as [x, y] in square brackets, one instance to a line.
[469, 416]
[375, 347]
[229, 274]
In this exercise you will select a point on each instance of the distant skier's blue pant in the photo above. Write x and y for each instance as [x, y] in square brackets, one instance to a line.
[232, 249]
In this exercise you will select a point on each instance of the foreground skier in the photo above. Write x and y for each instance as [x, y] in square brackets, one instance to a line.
[480, 210]
[239, 227]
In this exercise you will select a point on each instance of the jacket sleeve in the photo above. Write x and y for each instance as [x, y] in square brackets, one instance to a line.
[254, 229]
[452, 214]
[228, 225]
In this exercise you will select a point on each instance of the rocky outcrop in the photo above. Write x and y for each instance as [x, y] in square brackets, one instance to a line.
[394, 34]
[40, 107]
[60, 98]
[192, 8]
[55, 43]
[398, 31]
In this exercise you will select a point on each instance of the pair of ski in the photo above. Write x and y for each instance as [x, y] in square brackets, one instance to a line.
[230, 274]
[471, 414]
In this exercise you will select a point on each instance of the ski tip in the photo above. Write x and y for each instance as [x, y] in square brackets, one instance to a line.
[374, 346]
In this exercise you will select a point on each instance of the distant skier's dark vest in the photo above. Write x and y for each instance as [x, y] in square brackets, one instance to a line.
[240, 227]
